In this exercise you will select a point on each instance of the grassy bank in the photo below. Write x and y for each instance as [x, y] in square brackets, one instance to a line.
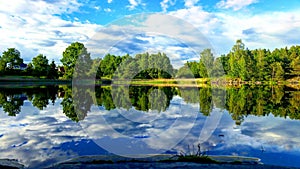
[28, 80]
[162, 81]
[223, 81]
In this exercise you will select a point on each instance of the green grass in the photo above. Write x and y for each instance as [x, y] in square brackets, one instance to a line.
[18, 77]
[29, 80]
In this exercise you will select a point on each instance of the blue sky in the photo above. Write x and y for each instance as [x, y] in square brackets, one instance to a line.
[49, 26]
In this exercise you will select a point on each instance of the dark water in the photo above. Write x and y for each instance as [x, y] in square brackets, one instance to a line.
[43, 125]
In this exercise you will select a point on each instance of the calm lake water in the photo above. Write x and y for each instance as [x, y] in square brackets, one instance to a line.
[43, 125]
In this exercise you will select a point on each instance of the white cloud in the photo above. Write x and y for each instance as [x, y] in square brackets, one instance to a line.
[195, 15]
[166, 3]
[207, 23]
[154, 33]
[166, 128]
[133, 4]
[235, 4]
[33, 27]
[107, 10]
[268, 30]
[39, 132]
[109, 1]
[26, 7]
[190, 3]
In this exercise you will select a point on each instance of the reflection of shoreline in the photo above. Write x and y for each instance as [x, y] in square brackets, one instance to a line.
[240, 101]
[199, 82]
[29, 83]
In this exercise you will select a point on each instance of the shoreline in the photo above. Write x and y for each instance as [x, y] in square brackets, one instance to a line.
[197, 82]
[153, 161]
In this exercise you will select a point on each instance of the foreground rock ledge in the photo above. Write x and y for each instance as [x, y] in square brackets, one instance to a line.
[160, 162]
[8, 163]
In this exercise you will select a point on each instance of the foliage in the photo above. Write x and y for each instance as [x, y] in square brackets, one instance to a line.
[70, 56]
[142, 66]
[185, 72]
[240, 63]
[11, 99]
[83, 65]
[40, 65]
[189, 70]
[29, 69]
[52, 73]
[108, 66]
[245, 64]
[11, 58]
[206, 63]
[261, 64]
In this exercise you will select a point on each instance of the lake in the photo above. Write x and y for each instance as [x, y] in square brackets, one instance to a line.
[44, 125]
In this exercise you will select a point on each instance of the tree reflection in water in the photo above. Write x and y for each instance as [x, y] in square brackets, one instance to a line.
[240, 102]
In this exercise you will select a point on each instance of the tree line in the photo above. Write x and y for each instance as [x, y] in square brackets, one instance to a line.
[11, 63]
[247, 65]
[262, 64]
[239, 63]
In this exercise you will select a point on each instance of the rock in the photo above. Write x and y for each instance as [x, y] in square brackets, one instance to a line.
[9, 163]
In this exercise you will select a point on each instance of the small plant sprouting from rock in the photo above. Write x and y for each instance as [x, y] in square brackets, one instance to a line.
[192, 152]
[195, 156]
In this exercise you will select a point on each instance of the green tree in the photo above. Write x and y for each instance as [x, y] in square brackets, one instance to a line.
[295, 66]
[130, 68]
[84, 64]
[260, 56]
[206, 63]
[241, 63]
[159, 66]
[11, 58]
[235, 57]
[95, 68]
[218, 69]
[185, 72]
[194, 68]
[52, 73]
[108, 65]
[166, 69]
[277, 71]
[202, 70]
[2, 66]
[40, 65]
[69, 59]
[143, 63]
[225, 63]
[29, 69]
